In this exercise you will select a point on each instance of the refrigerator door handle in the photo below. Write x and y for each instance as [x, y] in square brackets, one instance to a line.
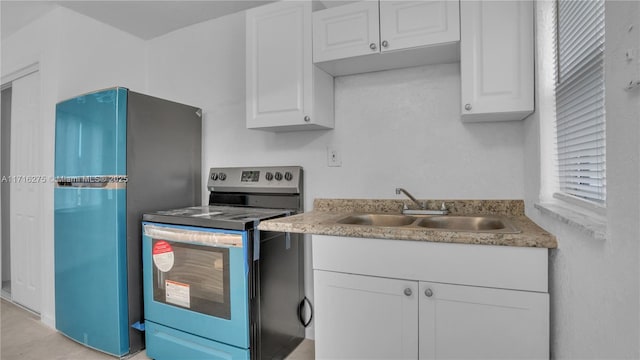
[93, 185]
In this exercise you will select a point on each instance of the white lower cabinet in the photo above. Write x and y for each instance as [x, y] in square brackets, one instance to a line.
[394, 310]
[365, 317]
[467, 322]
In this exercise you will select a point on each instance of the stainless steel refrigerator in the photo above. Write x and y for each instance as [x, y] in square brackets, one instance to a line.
[118, 154]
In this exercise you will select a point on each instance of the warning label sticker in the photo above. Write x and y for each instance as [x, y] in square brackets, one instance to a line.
[162, 255]
[177, 293]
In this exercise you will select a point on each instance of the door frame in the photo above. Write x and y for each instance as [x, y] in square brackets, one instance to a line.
[6, 82]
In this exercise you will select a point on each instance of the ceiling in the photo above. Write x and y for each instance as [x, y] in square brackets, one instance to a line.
[145, 19]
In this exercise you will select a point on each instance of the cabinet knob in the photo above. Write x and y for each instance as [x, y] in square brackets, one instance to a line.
[467, 107]
[307, 118]
[408, 291]
[372, 46]
[385, 43]
[428, 292]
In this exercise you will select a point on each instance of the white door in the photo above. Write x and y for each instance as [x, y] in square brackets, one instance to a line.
[496, 60]
[463, 322]
[26, 213]
[365, 317]
[346, 31]
[407, 24]
[276, 38]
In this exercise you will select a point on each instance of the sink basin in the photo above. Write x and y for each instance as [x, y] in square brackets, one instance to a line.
[377, 220]
[489, 223]
[468, 223]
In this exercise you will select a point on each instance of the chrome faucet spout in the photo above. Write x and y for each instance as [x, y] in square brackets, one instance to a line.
[421, 206]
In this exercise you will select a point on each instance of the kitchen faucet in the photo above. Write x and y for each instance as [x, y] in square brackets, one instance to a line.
[422, 207]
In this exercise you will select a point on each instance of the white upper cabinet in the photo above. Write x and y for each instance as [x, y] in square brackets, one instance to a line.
[379, 35]
[407, 24]
[284, 90]
[496, 60]
[346, 31]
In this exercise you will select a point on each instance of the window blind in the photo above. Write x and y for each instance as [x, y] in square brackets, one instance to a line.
[580, 111]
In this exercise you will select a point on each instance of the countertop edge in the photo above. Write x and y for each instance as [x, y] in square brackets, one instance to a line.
[323, 223]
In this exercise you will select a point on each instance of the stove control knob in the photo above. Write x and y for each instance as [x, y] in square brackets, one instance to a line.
[288, 176]
[214, 176]
[278, 176]
[222, 176]
[268, 176]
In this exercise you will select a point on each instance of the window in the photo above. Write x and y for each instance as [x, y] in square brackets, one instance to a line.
[580, 110]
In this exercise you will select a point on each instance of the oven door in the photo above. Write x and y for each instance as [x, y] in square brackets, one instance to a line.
[195, 280]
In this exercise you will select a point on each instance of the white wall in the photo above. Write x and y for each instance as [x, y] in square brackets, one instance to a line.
[393, 128]
[594, 284]
[75, 55]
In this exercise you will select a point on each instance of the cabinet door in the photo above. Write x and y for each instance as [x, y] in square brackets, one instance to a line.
[461, 322]
[407, 24]
[496, 60]
[346, 31]
[276, 56]
[365, 317]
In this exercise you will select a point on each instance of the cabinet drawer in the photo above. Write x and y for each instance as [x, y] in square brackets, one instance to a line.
[164, 343]
[506, 267]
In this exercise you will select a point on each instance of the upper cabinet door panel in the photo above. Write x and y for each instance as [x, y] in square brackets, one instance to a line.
[275, 71]
[407, 24]
[496, 60]
[284, 90]
[346, 31]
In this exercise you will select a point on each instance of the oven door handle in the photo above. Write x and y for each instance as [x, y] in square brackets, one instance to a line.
[301, 312]
[206, 238]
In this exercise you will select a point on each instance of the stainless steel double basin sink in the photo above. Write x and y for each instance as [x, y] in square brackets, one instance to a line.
[488, 223]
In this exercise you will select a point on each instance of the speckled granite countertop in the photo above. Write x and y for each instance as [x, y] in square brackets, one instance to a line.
[322, 221]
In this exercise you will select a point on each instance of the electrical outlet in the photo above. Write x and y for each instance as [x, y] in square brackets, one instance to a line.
[333, 157]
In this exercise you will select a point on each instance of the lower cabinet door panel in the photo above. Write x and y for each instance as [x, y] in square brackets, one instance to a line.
[365, 317]
[463, 322]
[164, 343]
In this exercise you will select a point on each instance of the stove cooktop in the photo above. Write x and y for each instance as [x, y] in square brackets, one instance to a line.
[218, 217]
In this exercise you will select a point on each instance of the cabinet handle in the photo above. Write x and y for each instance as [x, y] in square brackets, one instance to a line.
[428, 292]
[408, 291]
[385, 43]
[467, 107]
[307, 118]
[372, 46]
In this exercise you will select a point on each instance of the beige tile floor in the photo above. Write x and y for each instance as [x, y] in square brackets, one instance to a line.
[24, 337]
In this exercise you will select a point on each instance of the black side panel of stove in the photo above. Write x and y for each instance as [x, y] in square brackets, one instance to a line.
[281, 276]
[254, 303]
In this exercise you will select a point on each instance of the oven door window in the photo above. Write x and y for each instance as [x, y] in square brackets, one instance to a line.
[194, 277]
